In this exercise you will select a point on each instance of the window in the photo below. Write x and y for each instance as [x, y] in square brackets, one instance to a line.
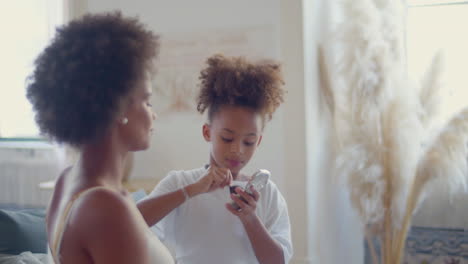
[26, 26]
[434, 26]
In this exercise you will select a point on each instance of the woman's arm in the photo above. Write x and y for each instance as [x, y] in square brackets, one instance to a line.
[266, 249]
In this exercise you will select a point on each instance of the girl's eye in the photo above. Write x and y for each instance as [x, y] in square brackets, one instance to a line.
[148, 104]
[249, 144]
[227, 140]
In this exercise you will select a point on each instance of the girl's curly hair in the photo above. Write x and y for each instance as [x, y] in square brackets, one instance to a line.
[84, 73]
[238, 82]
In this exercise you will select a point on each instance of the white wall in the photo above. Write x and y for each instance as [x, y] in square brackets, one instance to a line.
[292, 55]
[440, 209]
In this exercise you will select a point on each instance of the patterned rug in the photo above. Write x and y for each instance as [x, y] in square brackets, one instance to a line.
[427, 245]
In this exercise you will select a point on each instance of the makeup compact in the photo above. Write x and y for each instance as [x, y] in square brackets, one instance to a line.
[258, 180]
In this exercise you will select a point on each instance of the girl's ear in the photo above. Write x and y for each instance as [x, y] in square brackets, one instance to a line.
[206, 132]
[259, 140]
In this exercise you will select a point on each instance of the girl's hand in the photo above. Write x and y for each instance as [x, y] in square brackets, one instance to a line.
[215, 177]
[247, 204]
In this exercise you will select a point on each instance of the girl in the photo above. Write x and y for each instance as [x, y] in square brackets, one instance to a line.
[240, 97]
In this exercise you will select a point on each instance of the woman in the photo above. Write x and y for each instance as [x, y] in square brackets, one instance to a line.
[91, 89]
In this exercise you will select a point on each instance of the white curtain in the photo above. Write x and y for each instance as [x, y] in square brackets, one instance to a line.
[21, 172]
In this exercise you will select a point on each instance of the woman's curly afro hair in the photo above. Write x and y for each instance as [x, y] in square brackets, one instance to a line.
[82, 76]
[238, 82]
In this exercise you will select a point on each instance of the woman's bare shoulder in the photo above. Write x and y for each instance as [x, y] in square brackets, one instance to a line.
[100, 205]
[109, 226]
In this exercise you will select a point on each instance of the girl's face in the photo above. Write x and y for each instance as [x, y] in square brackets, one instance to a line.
[234, 134]
[137, 131]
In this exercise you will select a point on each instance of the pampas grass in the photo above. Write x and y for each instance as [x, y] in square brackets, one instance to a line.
[387, 152]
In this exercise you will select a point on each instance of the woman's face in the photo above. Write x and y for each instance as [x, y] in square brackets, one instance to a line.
[234, 134]
[136, 133]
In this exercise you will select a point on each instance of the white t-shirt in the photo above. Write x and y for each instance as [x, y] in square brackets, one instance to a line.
[203, 231]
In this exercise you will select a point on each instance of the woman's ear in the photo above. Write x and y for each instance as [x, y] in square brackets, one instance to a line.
[206, 132]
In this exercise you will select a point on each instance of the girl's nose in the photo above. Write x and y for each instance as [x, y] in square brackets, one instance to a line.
[235, 147]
